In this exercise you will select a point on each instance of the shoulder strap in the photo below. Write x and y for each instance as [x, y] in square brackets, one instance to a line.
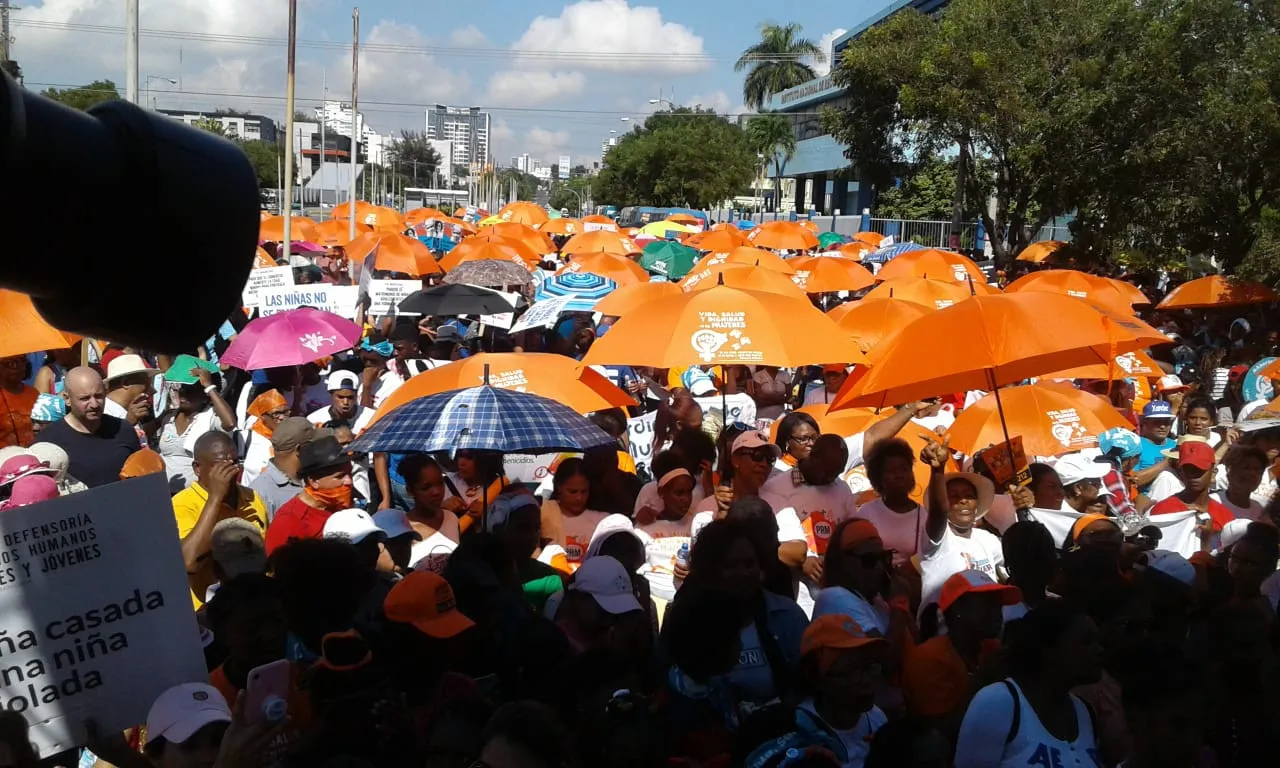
[1015, 722]
[1093, 718]
[449, 484]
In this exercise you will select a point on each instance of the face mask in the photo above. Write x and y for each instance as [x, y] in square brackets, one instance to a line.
[332, 498]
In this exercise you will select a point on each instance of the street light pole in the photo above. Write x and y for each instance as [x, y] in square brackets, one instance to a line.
[288, 137]
[152, 98]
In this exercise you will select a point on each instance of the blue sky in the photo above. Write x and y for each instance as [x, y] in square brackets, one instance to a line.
[556, 76]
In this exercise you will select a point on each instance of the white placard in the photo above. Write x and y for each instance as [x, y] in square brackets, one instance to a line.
[385, 296]
[888, 241]
[529, 469]
[97, 612]
[262, 279]
[1177, 530]
[598, 226]
[502, 320]
[542, 314]
[640, 436]
[741, 407]
[341, 300]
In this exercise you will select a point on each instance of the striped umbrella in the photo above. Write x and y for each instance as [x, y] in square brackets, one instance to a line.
[584, 285]
[882, 255]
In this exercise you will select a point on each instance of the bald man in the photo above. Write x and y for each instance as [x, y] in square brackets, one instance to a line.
[96, 443]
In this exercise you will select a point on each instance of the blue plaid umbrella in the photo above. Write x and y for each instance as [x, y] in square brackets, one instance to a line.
[483, 419]
[882, 255]
[581, 284]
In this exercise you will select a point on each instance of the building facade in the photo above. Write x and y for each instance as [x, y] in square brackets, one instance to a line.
[823, 180]
[241, 126]
[468, 129]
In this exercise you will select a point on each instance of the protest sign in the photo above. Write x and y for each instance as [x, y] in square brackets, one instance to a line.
[597, 226]
[261, 279]
[339, 299]
[543, 314]
[640, 434]
[1008, 463]
[1177, 530]
[97, 618]
[385, 295]
[529, 469]
[502, 319]
[741, 407]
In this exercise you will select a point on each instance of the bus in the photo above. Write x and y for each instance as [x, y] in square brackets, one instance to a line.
[447, 200]
[639, 215]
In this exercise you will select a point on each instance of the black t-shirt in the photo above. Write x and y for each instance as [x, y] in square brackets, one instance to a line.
[96, 459]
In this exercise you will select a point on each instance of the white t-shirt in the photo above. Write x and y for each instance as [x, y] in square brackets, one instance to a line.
[819, 508]
[900, 532]
[314, 397]
[578, 530]
[648, 496]
[984, 735]
[1251, 512]
[1165, 485]
[662, 540]
[842, 602]
[856, 740]
[818, 396]
[980, 551]
[432, 553]
[324, 416]
[257, 453]
[788, 524]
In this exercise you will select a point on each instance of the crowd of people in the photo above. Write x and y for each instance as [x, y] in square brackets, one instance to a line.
[757, 594]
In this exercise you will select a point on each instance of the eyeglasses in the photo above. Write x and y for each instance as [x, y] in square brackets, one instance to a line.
[803, 440]
[280, 414]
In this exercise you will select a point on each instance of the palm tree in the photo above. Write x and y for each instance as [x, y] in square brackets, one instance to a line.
[776, 63]
[771, 135]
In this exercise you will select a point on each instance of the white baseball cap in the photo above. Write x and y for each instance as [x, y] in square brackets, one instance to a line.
[1076, 467]
[184, 709]
[605, 579]
[1171, 383]
[395, 523]
[353, 525]
[342, 380]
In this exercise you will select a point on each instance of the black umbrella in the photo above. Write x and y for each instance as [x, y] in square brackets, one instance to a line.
[456, 299]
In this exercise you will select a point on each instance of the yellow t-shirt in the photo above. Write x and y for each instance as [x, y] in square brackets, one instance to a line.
[186, 512]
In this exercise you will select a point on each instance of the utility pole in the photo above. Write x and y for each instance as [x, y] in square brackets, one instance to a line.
[130, 49]
[355, 142]
[324, 118]
[287, 203]
[4, 31]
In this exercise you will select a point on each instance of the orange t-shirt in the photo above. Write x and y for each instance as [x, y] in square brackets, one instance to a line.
[15, 416]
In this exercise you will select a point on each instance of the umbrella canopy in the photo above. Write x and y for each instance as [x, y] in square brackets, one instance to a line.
[600, 241]
[421, 215]
[522, 212]
[1137, 363]
[669, 259]
[685, 218]
[749, 256]
[23, 330]
[871, 321]
[490, 273]
[1007, 338]
[1217, 291]
[873, 239]
[724, 325]
[294, 337]
[820, 274]
[1073, 283]
[661, 228]
[582, 284]
[881, 255]
[1051, 418]
[376, 216]
[300, 228]
[489, 249]
[741, 276]
[262, 259]
[619, 269]
[830, 239]
[537, 241]
[1038, 253]
[483, 418]
[605, 221]
[455, 299]
[934, 264]
[783, 236]
[557, 377]
[717, 240]
[631, 297]
[934, 294]
[394, 253]
[561, 226]
[336, 232]
[343, 210]
[1136, 297]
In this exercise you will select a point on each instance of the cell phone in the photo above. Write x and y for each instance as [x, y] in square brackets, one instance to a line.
[1202, 517]
[267, 692]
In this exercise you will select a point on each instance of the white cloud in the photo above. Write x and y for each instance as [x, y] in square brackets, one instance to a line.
[717, 100]
[467, 37]
[611, 35]
[517, 88]
[824, 67]
[545, 144]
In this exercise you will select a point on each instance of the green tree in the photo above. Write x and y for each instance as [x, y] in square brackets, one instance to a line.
[302, 117]
[775, 63]
[570, 194]
[526, 183]
[84, 96]
[211, 125]
[265, 157]
[771, 134]
[687, 157]
[414, 156]
[577, 171]
[926, 190]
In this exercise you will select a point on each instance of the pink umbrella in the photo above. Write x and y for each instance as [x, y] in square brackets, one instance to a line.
[295, 337]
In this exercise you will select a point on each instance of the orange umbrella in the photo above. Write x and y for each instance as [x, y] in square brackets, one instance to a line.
[724, 326]
[521, 212]
[716, 241]
[619, 269]
[560, 378]
[871, 321]
[873, 239]
[343, 211]
[466, 227]
[420, 215]
[1135, 295]
[337, 232]
[749, 256]
[495, 248]
[381, 217]
[685, 218]
[395, 253]
[783, 236]
[262, 214]
[820, 274]
[601, 241]
[300, 228]
[1217, 291]
[561, 226]
[1137, 363]
[596, 218]
[933, 264]
[1051, 418]
[23, 330]
[262, 259]
[538, 242]
[1038, 253]
[990, 341]
[854, 250]
[631, 297]
[741, 276]
[934, 294]
[845, 422]
[1073, 283]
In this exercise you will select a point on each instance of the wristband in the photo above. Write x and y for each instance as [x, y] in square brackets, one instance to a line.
[209, 390]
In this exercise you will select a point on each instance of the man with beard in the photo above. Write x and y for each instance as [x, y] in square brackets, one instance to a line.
[96, 444]
[129, 391]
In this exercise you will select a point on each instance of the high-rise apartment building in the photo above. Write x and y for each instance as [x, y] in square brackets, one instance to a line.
[466, 127]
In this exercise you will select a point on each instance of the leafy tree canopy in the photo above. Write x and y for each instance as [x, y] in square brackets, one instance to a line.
[84, 96]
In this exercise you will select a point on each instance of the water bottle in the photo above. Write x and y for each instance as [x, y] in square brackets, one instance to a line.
[682, 560]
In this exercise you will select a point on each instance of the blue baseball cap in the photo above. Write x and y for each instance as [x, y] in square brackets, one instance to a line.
[1158, 409]
[1120, 443]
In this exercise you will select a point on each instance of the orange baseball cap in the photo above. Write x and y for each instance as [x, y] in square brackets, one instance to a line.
[426, 601]
[836, 631]
[142, 462]
[974, 582]
[856, 532]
